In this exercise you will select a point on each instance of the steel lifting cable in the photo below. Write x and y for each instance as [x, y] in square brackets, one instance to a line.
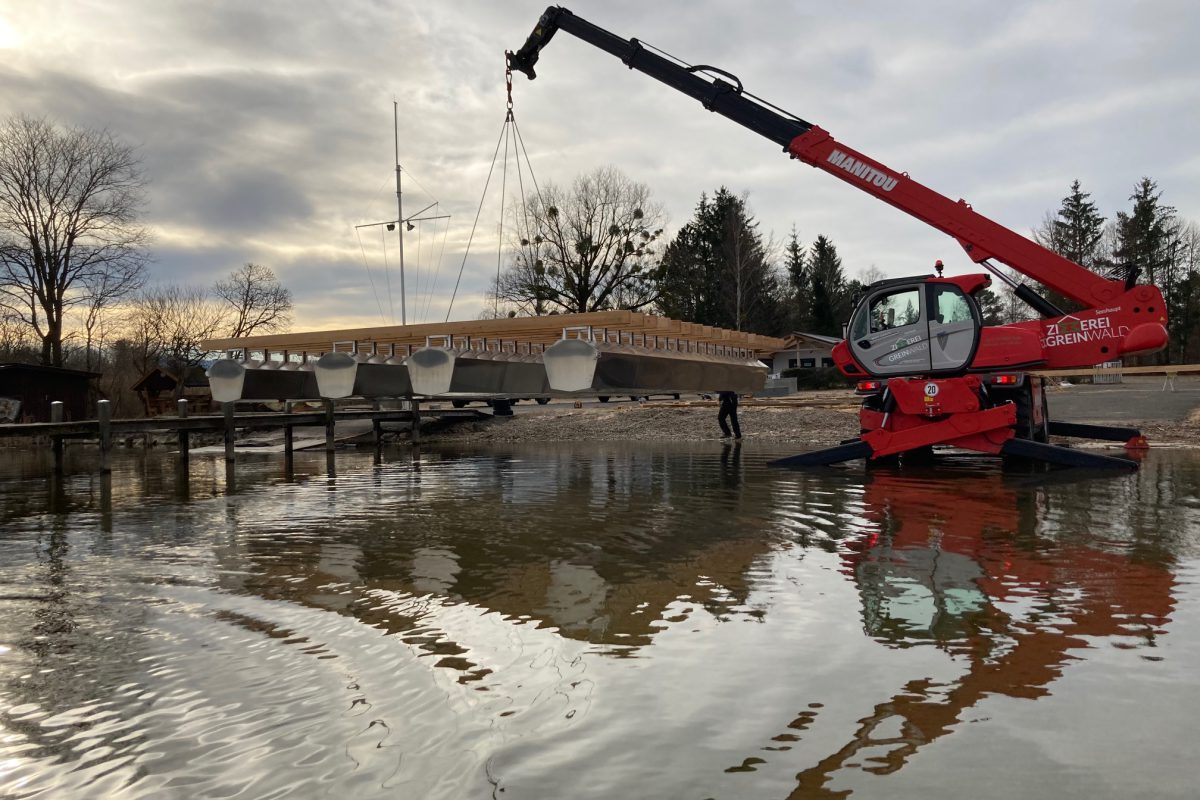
[475, 224]
[509, 119]
[503, 192]
[524, 202]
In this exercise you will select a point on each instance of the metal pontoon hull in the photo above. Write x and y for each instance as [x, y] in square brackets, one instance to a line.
[352, 376]
[439, 372]
[581, 366]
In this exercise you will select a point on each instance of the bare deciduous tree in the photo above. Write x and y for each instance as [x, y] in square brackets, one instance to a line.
[259, 301]
[168, 323]
[16, 344]
[584, 249]
[101, 292]
[69, 205]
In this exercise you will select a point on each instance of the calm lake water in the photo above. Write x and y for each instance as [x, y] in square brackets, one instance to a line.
[596, 621]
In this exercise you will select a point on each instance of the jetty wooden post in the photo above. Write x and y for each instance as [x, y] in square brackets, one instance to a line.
[181, 408]
[227, 411]
[376, 427]
[416, 421]
[56, 442]
[329, 426]
[288, 434]
[104, 418]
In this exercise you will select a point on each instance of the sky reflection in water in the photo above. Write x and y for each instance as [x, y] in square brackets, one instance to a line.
[595, 621]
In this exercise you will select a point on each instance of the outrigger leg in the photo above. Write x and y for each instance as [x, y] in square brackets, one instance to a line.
[847, 451]
[1067, 457]
[1132, 437]
[1024, 448]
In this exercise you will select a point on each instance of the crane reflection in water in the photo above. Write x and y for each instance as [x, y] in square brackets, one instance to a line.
[960, 564]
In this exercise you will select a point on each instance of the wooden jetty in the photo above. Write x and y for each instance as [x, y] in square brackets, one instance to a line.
[104, 428]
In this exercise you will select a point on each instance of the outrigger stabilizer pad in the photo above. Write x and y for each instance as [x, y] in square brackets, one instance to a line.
[1067, 457]
[847, 451]
[1022, 448]
[1080, 430]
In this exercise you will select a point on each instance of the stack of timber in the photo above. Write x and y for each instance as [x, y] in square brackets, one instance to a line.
[600, 353]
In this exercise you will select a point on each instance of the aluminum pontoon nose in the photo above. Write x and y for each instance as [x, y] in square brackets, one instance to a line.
[431, 370]
[580, 365]
[225, 379]
[335, 375]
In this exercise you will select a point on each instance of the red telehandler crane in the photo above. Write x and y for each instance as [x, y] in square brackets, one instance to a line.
[931, 373]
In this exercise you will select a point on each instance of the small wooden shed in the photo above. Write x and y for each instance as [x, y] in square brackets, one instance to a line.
[27, 390]
[156, 389]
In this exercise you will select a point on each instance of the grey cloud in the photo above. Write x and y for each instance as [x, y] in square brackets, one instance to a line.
[266, 128]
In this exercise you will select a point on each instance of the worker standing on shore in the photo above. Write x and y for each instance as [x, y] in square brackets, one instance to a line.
[729, 404]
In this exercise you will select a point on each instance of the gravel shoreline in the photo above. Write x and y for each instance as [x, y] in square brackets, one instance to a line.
[820, 422]
[657, 423]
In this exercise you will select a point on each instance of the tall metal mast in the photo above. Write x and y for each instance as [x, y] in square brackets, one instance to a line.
[399, 211]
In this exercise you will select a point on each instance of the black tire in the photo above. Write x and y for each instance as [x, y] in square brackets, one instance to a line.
[603, 398]
[1025, 429]
[1024, 400]
[922, 456]
[459, 403]
[541, 401]
[1044, 430]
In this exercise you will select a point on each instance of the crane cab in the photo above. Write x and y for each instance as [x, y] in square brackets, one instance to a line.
[916, 326]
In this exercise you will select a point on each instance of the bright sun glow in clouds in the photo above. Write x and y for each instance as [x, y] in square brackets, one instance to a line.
[8, 36]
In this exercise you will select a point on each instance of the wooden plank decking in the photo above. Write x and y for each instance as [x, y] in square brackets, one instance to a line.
[543, 330]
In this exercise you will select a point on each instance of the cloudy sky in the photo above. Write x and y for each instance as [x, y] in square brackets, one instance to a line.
[266, 127]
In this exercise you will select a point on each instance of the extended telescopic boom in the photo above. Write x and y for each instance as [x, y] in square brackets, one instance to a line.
[982, 238]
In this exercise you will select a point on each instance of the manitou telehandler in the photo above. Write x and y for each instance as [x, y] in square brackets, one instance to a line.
[931, 373]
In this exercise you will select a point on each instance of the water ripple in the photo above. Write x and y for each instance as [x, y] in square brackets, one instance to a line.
[594, 621]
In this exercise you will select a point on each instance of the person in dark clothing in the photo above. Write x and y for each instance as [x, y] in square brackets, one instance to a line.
[729, 403]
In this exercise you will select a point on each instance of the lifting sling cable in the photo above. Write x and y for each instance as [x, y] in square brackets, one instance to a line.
[509, 119]
[503, 191]
[475, 224]
[530, 236]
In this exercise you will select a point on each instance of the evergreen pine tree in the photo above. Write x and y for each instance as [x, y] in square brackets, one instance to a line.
[1144, 234]
[1075, 231]
[795, 266]
[830, 295]
[716, 270]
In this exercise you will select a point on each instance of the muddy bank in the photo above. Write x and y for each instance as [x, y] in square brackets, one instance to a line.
[652, 422]
[827, 422]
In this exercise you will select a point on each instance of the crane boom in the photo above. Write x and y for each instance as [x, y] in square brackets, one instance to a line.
[939, 375]
[982, 238]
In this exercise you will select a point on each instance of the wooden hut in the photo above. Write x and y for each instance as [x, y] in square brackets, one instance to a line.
[27, 390]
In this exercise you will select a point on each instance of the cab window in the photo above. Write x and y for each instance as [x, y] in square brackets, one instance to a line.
[950, 305]
[894, 310]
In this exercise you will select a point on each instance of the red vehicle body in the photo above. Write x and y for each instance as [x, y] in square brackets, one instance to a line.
[938, 375]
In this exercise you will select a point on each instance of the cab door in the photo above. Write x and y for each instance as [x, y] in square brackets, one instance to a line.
[889, 333]
[954, 323]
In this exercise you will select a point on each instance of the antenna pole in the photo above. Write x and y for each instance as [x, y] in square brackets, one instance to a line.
[399, 209]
